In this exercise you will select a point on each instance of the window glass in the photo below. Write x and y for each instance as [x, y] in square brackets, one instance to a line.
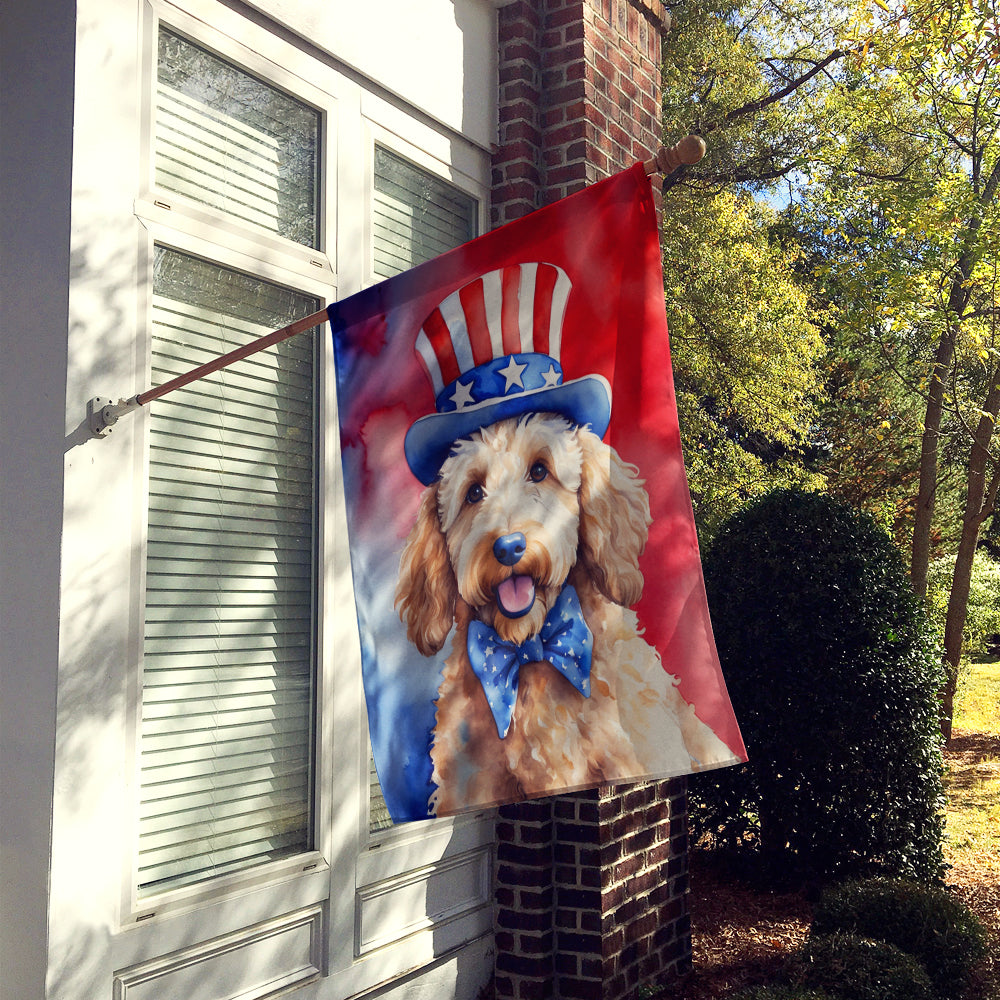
[228, 680]
[235, 143]
[416, 215]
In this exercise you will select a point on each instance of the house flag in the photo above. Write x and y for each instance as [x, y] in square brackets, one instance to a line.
[526, 572]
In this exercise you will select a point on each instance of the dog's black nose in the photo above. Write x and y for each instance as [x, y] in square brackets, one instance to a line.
[508, 549]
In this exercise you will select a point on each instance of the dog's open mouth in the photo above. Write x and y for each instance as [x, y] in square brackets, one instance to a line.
[516, 595]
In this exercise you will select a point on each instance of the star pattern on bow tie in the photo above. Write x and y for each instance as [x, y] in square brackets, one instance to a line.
[564, 641]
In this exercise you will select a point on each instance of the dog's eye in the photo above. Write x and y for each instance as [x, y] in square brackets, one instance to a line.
[475, 493]
[538, 472]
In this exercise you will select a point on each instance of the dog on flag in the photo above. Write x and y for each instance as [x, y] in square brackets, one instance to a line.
[526, 547]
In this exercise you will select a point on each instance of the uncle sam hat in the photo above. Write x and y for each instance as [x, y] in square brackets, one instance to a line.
[491, 350]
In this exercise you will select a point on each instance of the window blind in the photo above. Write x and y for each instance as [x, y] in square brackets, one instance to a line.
[228, 140]
[228, 654]
[416, 216]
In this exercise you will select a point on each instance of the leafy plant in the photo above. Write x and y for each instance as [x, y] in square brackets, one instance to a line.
[925, 922]
[856, 968]
[833, 673]
[745, 414]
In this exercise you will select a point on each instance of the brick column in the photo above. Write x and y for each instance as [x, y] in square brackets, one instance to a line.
[524, 901]
[591, 888]
[591, 893]
[579, 96]
[621, 884]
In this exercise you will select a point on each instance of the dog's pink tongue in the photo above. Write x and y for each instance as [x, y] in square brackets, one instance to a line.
[516, 595]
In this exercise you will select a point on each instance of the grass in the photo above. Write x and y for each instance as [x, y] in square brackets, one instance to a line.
[973, 783]
[973, 808]
[978, 697]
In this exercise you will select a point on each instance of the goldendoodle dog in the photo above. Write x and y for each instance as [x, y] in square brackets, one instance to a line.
[526, 548]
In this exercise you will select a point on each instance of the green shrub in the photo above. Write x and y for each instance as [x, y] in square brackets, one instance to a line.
[833, 673]
[856, 968]
[925, 922]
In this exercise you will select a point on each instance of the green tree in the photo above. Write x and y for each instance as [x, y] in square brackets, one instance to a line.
[747, 76]
[747, 357]
[869, 420]
[880, 123]
[982, 620]
[747, 353]
[912, 191]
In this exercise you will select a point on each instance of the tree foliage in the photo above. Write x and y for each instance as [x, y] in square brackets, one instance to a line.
[747, 76]
[876, 127]
[911, 194]
[982, 620]
[746, 346]
[747, 357]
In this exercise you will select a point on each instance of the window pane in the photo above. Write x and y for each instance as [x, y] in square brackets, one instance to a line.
[228, 140]
[228, 658]
[417, 216]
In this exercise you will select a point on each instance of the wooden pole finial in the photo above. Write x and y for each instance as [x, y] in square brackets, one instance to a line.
[668, 158]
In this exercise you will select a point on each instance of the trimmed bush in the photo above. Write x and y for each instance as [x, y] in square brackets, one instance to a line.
[856, 968]
[925, 922]
[833, 672]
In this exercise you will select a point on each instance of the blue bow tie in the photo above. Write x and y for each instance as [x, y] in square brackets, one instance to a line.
[565, 641]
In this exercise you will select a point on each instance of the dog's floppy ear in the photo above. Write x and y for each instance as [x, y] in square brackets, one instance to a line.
[614, 521]
[427, 589]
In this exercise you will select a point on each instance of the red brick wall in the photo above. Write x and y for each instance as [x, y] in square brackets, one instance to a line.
[579, 96]
[591, 889]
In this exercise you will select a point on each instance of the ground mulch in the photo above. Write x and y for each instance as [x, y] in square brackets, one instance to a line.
[742, 934]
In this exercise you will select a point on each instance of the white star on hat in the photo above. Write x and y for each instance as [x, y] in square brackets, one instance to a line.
[512, 373]
[551, 376]
[462, 396]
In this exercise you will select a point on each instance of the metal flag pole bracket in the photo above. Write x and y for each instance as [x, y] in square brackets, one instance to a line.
[103, 413]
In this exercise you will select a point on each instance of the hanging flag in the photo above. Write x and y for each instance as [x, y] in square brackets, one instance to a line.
[526, 571]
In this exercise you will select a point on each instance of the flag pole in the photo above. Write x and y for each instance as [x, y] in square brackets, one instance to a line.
[103, 414]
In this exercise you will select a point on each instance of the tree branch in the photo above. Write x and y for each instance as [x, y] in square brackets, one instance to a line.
[754, 106]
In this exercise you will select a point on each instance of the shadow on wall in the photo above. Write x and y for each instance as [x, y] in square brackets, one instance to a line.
[90, 826]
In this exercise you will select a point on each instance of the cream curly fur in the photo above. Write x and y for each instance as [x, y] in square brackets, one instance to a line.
[585, 522]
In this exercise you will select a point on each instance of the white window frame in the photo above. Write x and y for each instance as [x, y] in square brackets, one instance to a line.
[389, 128]
[352, 874]
[183, 225]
